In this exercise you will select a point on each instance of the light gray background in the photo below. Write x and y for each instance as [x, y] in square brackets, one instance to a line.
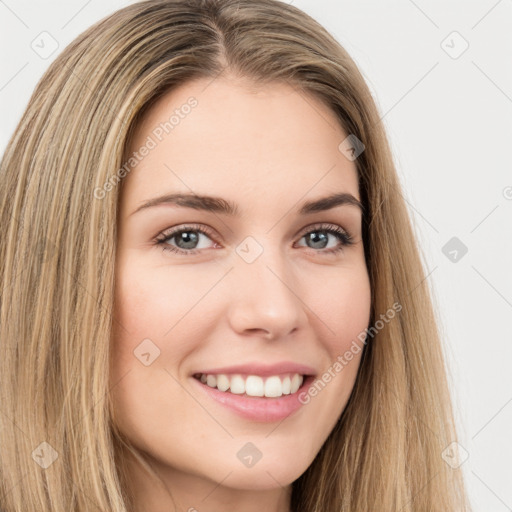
[449, 119]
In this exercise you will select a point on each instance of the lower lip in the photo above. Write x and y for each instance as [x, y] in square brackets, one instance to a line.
[260, 409]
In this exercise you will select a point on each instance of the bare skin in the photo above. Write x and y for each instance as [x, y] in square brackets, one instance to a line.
[267, 149]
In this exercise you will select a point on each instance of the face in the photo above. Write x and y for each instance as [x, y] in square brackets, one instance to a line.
[263, 297]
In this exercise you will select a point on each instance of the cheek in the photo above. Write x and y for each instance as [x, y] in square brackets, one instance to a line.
[343, 306]
[344, 312]
[148, 310]
[154, 302]
[159, 311]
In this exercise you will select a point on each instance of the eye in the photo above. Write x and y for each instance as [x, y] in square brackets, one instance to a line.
[319, 237]
[188, 238]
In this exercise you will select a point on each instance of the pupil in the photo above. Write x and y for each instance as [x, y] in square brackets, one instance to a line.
[319, 236]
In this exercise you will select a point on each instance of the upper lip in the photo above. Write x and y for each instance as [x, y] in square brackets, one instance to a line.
[263, 370]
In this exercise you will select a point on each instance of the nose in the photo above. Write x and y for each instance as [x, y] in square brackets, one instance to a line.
[266, 299]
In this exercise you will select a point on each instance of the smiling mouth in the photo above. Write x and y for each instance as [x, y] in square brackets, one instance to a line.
[272, 386]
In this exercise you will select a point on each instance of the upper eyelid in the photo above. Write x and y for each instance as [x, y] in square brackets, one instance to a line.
[170, 232]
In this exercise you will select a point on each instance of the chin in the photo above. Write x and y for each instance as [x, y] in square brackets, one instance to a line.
[265, 477]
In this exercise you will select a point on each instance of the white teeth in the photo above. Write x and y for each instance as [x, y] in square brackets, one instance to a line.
[222, 382]
[237, 385]
[286, 385]
[273, 387]
[254, 385]
[296, 382]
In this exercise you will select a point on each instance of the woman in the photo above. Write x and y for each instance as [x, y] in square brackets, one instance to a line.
[212, 297]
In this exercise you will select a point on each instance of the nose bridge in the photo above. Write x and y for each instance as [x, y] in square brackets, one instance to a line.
[266, 295]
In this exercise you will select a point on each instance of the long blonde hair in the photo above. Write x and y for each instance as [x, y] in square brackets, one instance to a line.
[58, 265]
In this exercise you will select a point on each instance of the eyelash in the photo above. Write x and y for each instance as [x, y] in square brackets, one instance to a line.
[342, 235]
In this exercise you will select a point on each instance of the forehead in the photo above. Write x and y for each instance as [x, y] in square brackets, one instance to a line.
[235, 139]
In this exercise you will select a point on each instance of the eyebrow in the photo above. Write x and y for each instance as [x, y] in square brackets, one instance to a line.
[220, 205]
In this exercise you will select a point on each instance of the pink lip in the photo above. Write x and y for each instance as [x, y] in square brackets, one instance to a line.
[261, 369]
[261, 409]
